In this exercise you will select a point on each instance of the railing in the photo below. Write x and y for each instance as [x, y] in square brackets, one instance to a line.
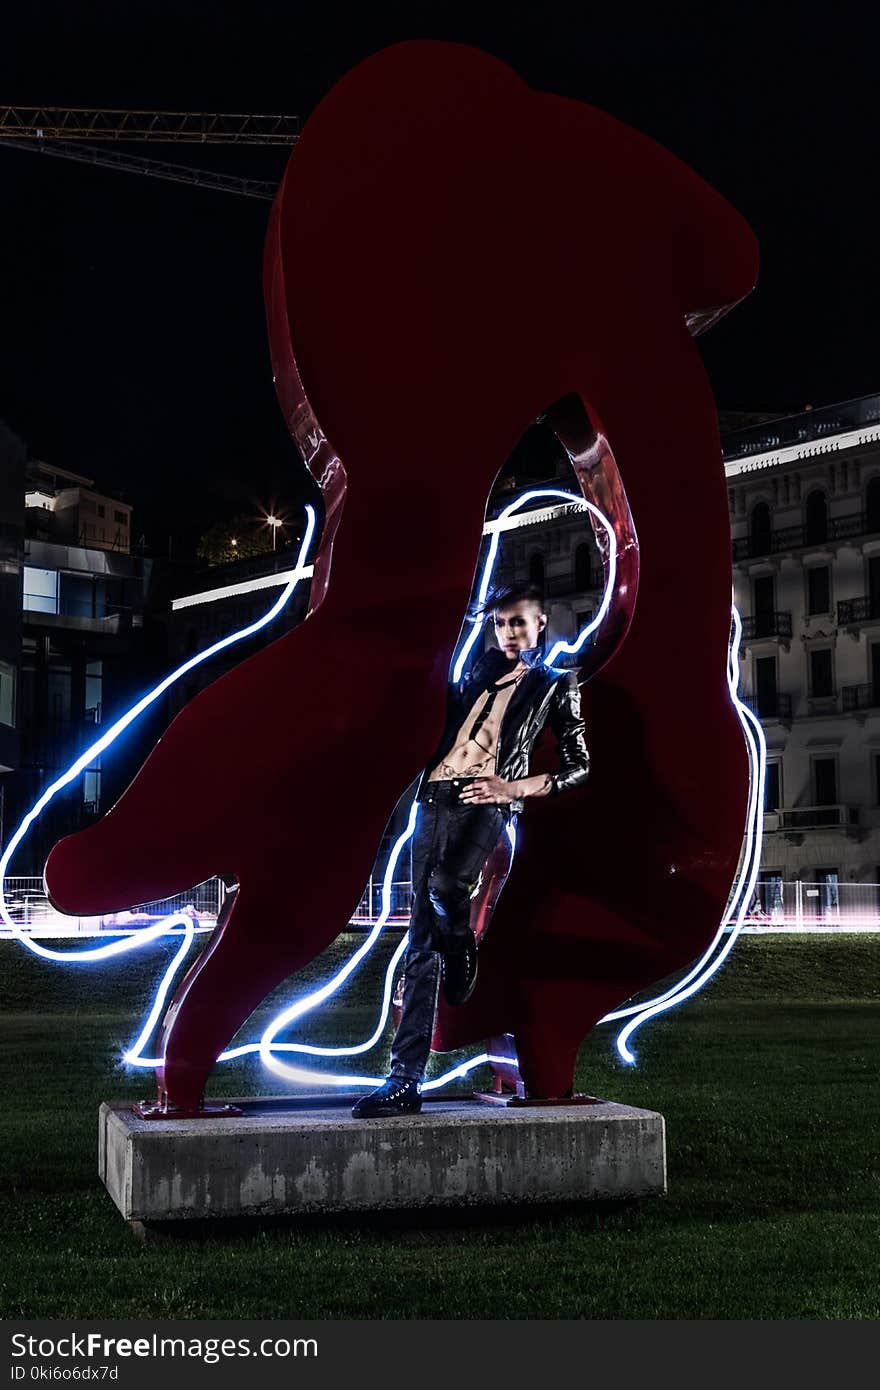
[864, 609]
[793, 905]
[822, 704]
[777, 905]
[803, 427]
[814, 818]
[29, 907]
[769, 707]
[370, 905]
[856, 697]
[766, 625]
[562, 586]
[784, 538]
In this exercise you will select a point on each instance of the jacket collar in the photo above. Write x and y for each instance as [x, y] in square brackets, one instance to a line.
[530, 656]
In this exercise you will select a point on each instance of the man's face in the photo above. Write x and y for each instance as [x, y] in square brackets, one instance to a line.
[518, 625]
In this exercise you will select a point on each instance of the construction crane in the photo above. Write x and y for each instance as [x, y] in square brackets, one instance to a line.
[66, 133]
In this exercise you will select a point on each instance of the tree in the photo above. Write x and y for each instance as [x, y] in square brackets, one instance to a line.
[237, 539]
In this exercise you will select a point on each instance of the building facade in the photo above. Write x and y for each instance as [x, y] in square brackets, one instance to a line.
[12, 460]
[804, 494]
[81, 654]
[64, 506]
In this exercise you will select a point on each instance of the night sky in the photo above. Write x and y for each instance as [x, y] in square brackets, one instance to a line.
[133, 346]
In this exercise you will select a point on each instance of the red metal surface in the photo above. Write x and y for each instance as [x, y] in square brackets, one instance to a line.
[450, 253]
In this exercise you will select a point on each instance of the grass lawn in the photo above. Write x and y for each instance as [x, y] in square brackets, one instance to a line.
[767, 1081]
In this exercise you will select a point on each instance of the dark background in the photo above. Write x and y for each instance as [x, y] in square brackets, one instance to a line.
[133, 346]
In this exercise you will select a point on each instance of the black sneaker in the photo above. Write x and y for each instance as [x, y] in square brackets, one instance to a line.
[459, 971]
[396, 1096]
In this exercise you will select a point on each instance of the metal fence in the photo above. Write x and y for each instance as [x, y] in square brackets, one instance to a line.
[824, 905]
[777, 905]
[29, 908]
[370, 906]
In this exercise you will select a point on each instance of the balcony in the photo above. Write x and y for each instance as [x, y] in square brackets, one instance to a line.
[803, 428]
[859, 697]
[814, 818]
[822, 704]
[787, 538]
[766, 625]
[770, 708]
[565, 585]
[853, 611]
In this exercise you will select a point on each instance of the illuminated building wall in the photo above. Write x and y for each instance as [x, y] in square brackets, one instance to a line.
[805, 520]
[64, 506]
[12, 456]
[82, 651]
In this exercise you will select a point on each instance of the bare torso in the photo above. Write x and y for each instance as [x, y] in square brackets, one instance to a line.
[476, 756]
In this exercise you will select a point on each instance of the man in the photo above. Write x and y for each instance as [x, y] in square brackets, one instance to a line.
[476, 781]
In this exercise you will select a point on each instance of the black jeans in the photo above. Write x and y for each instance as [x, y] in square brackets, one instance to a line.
[451, 844]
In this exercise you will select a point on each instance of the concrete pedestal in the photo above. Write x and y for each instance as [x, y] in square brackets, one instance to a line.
[282, 1157]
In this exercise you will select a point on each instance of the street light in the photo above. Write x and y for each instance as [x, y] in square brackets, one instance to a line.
[274, 522]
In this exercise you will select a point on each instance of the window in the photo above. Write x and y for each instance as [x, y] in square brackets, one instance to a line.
[91, 786]
[818, 589]
[765, 687]
[874, 670]
[7, 694]
[821, 675]
[582, 568]
[94, 687]
[77, 598]
[828, 883]
[770, 899]
[824, 781]
[759, 529]
[817, 518]
[100, 509]
[59, 688]
[872, 504]
[587, 617]
[764, 605]
[874, 586]
[40, 590]
[536, 569]
[773, 787]
[120, 518]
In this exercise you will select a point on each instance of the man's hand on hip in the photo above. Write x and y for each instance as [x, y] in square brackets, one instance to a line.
[495, 791]
[488, 791]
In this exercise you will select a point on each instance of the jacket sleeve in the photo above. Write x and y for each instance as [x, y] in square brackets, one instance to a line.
[568, 727]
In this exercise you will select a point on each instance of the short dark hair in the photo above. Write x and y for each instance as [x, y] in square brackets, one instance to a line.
[503, 595]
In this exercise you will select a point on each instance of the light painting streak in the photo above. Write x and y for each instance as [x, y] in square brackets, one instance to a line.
[744, 885]
[269, 1045]
[149, 934]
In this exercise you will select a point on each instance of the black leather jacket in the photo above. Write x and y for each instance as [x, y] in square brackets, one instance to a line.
[545, 695]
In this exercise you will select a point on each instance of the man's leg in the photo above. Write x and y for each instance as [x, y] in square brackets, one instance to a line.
[412, 1041]
[450, 847]
[473, 833]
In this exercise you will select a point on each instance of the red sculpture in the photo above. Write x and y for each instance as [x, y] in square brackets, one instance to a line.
[450, 254]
